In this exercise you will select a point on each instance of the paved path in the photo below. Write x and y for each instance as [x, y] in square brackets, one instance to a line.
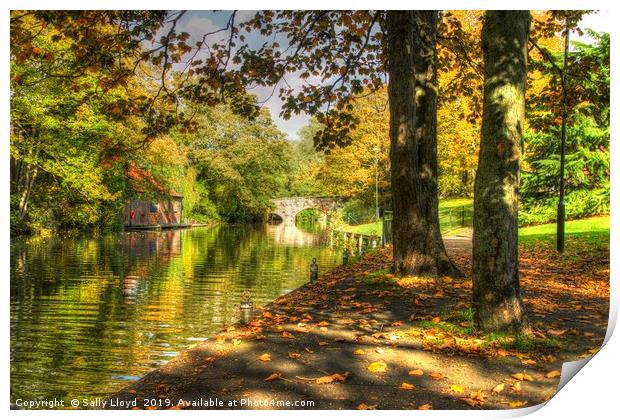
[361, 339]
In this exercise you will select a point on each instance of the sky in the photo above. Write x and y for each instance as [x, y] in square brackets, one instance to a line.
[198, 22]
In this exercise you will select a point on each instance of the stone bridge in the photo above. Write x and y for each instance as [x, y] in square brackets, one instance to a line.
[288, 207]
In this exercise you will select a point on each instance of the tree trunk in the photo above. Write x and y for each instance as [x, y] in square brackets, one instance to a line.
[412, 92]
[496, 294]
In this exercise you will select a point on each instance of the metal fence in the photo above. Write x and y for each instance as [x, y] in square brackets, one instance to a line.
[386, 236]
[450, 219]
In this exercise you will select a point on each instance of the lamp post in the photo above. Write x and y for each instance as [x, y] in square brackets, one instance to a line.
[314, 271]
[246, 309]
[561, 203]
[376, 149]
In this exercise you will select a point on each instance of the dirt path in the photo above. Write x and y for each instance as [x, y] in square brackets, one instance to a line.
[360, 338]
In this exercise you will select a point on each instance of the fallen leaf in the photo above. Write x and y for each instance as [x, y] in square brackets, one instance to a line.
[416, 372]
[436, 320]
[220, 339]
[359, 352]
[517, 404]
[380, 350]
[287, 334]
[425, 407]
[236, 341]
[557, 333]
[522, 377]
[407, 386]
[363, 406]
[553, 374]
[273, 377]
[502, 353]
[377, 367]
[516, 387]
[498, 388]
[457, 388]
[479, 396]
[294, 355]
[336, 377]
[436, 375]
[528, 362]
[266, 357]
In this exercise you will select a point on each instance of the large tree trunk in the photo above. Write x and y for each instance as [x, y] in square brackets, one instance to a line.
[412, 91]
[496, 294]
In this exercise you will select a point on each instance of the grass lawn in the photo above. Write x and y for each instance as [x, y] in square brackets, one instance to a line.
[451, 213]
[592, 231]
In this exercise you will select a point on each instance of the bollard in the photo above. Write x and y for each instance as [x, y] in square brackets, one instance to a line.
[246, 309]
[314, 271]
[345, 256]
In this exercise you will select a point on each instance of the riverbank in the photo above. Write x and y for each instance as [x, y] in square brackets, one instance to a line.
[362, 338]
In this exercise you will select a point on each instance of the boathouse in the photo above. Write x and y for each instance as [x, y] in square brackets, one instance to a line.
[165, 212]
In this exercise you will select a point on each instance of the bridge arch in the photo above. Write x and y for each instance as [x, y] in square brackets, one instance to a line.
[287, 208]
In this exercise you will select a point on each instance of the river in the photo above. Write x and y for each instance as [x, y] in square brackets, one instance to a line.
[90, 314]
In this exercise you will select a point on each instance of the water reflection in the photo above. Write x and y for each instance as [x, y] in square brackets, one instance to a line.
[89, 314]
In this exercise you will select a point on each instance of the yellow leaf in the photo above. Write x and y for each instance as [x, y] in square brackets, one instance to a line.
[498, 388]
[407, 386]
[416, 372]
[553, 374]
[236, 341]
[457, 388]
[377, 367]
[359, 352]
[363, 406]
[528, 362]
[437, 375]
[273, 377]
[436, 320]
[517, 387]
[517, 404]
[266, 357]
[522, 377]
[425, 407]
